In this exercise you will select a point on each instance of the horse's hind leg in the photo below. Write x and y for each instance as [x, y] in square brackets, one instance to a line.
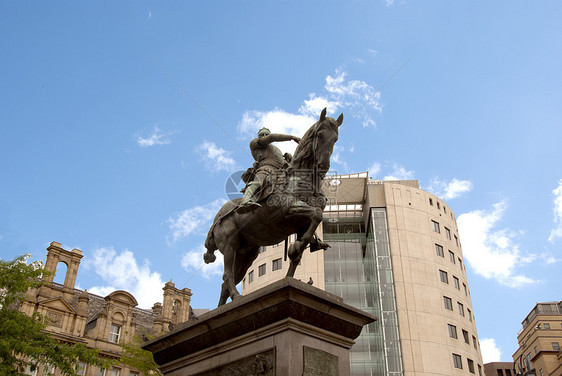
[224, 294]
[228, 276]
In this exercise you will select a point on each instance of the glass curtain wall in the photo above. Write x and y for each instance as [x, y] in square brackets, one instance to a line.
[378, 248]
[358, 268]
[349, 275]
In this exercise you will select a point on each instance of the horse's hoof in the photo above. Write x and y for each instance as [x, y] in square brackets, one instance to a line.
[209, 257]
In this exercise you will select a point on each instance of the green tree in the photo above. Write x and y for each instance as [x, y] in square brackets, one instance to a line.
[23, 340]
[135, 357]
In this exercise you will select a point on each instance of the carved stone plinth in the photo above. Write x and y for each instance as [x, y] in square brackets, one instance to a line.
[285, 329]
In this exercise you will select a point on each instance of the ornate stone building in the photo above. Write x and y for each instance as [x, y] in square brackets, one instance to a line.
[77, 316]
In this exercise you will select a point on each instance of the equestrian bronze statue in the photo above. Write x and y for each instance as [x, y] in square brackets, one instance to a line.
[284, 198]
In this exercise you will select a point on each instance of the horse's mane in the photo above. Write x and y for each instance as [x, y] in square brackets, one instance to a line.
[304, 148]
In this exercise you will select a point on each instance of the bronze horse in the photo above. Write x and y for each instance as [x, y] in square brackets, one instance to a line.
[294, 205]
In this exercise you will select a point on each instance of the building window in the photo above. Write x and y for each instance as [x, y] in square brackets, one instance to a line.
[452, 331]
[527, 361]
[461, 308]
[452, 256]
[536, 350]
[444, 277]
[474, 342]
[81, 369]
[444, 209]
[457, 361]
[456, 280]
[466, 337]
[479, 370]
[101, 372]
[469, 314]
[430, 201]
[546, 325]
[470, 365]
[555, 346]
[540, 372]
[114, 332]
[30, 372]
[448, 303]
[276, 264]
[133, 373]
[456, 240]
[500, 372]
[263, 249]
[460, 262]
[448, 233]
[114, 372]
[261, 270]
[507, 372]
[438, 206]
[436, 227]
[251, 277]
[465, 289]
[439, 250]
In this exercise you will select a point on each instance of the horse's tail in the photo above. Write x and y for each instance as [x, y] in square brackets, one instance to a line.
[211, 246]
[210, 242]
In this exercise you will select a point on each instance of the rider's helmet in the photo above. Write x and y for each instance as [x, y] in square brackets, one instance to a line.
[263, 132]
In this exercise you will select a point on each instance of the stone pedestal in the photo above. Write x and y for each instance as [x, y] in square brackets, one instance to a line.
[285, 329]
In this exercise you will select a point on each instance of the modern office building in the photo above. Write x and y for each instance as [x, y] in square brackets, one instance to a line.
[396, 253]
[76, 316]
[539, 341]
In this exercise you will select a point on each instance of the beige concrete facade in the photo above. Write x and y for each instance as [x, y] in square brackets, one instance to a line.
[103, 323]
[436, 324]
[540, 340]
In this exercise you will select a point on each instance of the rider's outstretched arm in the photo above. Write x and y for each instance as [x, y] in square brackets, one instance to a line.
[276, 137]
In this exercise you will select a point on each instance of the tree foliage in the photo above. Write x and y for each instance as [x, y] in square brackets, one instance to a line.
[135, 357]
[23, 340]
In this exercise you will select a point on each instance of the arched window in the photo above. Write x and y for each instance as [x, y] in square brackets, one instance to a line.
[60, 273]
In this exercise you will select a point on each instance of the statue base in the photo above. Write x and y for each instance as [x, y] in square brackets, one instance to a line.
[287, 328]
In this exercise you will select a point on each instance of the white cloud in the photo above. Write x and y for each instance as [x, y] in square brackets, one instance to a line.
[549, 258]
[448, 190]
[337, 158]
[194, 220]
[490, 350]
[122, 272]
[338, 94]
[192, 261]
[156, 138]
[557, 231]
[278, 121]
[492, 253]
[216, 158]
[374, 169]
[399, 173]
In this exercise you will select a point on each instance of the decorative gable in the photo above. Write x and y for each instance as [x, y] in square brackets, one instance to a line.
[57, 304]
[122, 297]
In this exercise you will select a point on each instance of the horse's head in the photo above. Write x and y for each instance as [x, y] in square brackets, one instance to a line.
[317, 145]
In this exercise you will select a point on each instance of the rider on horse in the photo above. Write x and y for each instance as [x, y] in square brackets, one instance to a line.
[269, 160]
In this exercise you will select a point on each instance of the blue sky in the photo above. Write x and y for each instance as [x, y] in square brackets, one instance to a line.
[121, 123]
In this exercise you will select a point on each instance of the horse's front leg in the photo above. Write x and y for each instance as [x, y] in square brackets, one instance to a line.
[297, 248]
